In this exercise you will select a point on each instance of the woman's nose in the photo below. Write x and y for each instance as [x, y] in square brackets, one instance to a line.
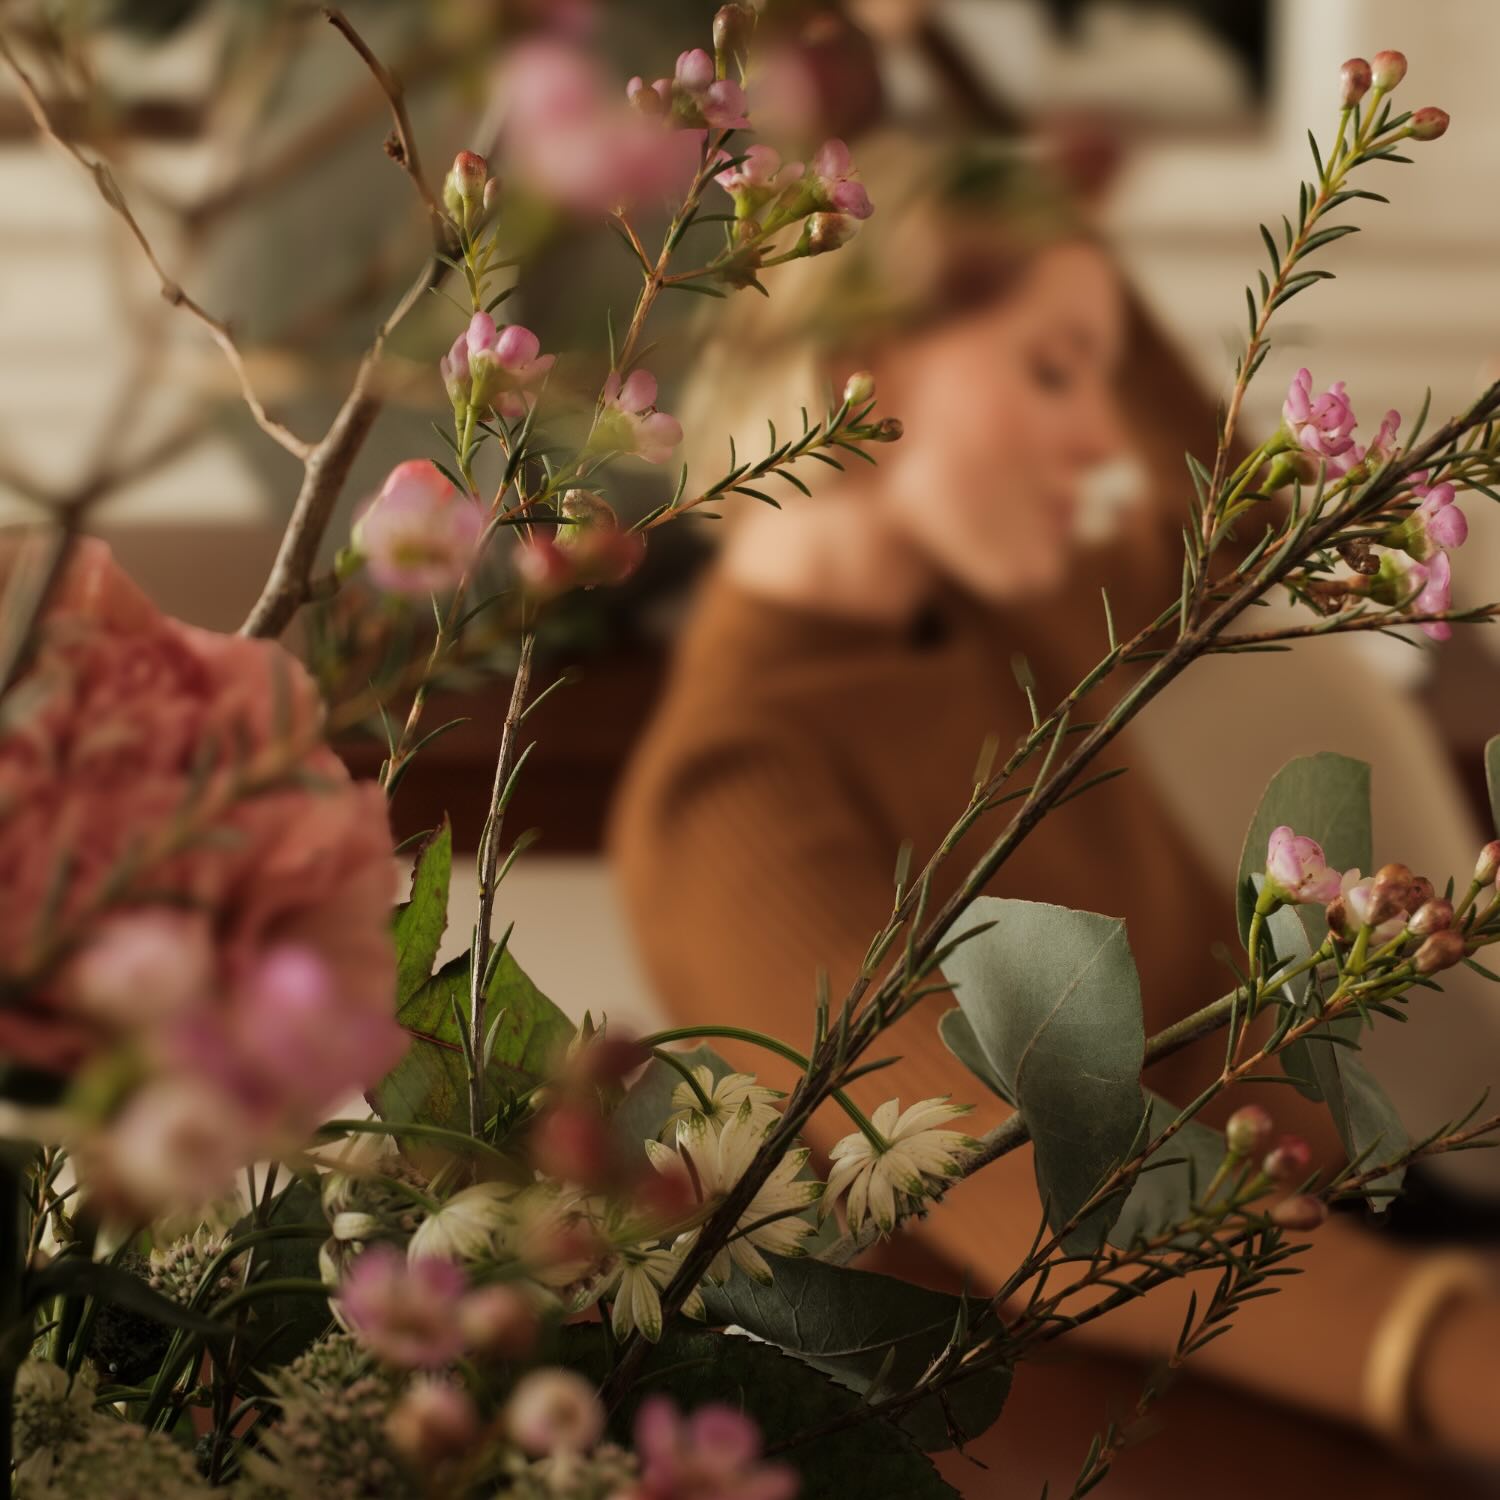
[1099, 431]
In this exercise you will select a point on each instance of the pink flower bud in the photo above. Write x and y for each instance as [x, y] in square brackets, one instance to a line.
[646, 97]
[826, 231]
[1301, 1212]
[1487, 866]
[500, 1321]
[1428, 123]
[554, 1411]
[733, 27]
[888, 430]
[1390, 890]
[859, 388]
[1441, 951]
[491, 193]
[418, 534]
[601, 550]
[433, 1420]
[1387, 69]
[695, 70]
[463, 188]
[544, 569]
[1432, 916]
[1354, 77]
[1296, 869]
[1289, 1161]
[571, 1143]
[1248, 1131]
[1421, 893]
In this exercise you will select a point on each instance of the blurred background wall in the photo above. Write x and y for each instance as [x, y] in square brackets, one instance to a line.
[1207, 102]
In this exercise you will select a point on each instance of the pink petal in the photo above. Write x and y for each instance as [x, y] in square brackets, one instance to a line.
[638, 393]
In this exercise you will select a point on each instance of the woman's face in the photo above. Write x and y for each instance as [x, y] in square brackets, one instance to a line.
[1005, 411]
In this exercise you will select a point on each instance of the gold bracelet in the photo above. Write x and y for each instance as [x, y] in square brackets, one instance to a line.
[1391, 1363]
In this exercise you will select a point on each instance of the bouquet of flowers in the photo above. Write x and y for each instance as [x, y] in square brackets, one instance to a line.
[528, 1265]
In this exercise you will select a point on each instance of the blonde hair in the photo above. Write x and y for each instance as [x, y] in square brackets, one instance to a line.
[954, 227]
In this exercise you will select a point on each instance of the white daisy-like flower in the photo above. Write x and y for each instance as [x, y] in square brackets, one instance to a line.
[468, 1226]
[725, 1095]
[919, 1158]
[634, 1284]
[718, 1159]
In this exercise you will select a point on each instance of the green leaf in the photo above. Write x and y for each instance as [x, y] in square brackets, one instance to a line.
[1324, 796]
[866, 1331]
[431, 1083]
[1054, 1001]
[297, 1319]
[73, 1275]
[418, 926]
[1492, 777]
[644, 1109]
[1164, 1195]
[785, 1397]
[958, 1037]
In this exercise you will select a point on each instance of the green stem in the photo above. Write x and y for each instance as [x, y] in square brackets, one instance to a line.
[676, 1063]
[759, 1039]
[13, 1334]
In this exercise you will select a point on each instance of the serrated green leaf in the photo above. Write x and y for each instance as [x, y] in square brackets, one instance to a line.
[418, 926]
[1054, 1001]
[858, 1327]
[430, 1084]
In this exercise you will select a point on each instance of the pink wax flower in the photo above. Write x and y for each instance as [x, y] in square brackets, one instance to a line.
[758, 177]
[1322, 425]
[126, 720]
[1422, 587]
[712, 1455]
[499, 367]
[1445, 524]
[630, 422]
[407, 1313]
[701, 98]
[418, 534]
[1383, 446]
[1296, 869]
[835, 184]
[570, 138]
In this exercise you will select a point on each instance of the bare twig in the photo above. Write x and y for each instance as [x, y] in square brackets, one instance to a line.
[401, 146]
[109, 190]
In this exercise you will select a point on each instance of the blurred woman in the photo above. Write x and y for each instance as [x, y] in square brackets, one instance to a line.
[848, 659]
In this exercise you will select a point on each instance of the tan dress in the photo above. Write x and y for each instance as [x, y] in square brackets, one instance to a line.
[756, 840]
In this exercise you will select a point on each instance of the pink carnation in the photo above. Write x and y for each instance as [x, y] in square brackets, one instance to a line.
[126, 721]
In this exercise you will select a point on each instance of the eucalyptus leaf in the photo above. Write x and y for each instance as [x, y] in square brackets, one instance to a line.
[874, 1334]
[431, 1083]
[1054, 1002]
[643, 1111]
[418, 926]
[1492, 778]
[1325, 797]
[1164, 1195]
[785, 1397]
[958, 1037]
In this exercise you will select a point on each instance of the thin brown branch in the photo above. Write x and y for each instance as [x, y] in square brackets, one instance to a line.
[401, 146]
[109, 190]
[326, 468]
